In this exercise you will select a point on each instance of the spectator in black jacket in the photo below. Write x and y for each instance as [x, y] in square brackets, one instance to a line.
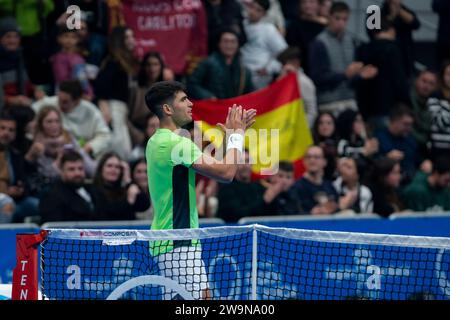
[377, 96]
[116, 197]
[405, 21]
[244, 198]
[442, 8]
[69, 199]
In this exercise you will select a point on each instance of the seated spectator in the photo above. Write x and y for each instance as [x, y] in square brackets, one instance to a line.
[243, 198]
[397, 142]
[222, 74]
[116, 196]
[80, 118]
[223, 14]
[378, 95]
[405, 21]
[439, 107]
[152, 69]
[384, 182]
[140, 178]
[70, 198]
[13, 172]
[325, 136]
[68, 63]
[332, 64]
[306, 26]
[286, 202]
[352, 195]
[353, 140]
[15, 87]
[291, 60]
[50, 142]
[152, 125]
[264, 43]
[422, 88]
[7, 208]
[316, 194]
[431, 192]
[112, 86]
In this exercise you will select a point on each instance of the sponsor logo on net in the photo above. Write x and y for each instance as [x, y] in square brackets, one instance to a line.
[106, 234]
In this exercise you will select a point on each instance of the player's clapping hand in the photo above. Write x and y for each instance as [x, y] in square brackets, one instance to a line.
[238, 118]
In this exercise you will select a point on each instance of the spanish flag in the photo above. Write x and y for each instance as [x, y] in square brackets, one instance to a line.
[281, 131]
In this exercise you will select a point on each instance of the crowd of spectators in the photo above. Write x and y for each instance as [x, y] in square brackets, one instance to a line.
[74, 124]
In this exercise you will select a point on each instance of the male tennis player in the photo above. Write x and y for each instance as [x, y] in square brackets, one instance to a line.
[172, 161]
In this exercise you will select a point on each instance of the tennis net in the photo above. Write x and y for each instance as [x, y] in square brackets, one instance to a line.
[242, 263]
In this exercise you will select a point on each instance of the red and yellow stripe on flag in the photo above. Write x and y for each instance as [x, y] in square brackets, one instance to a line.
[279, 109]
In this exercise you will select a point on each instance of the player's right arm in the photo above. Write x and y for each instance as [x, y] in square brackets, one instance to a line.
[238, 120]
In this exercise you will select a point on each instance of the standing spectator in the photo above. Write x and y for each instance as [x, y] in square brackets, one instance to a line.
[332, 64]
[384, 182]
[31, 16]
[80, 117]
[274, 15]
[430, 192]
[302, 31]
[405, 21]
[152, 70]
[13, 172]
[292, 62]
[152, 126]
[316, 194]
[352, 195]
[49, 143]
[377, 96]
[113, 83]
[439, 106]
[223, 14]
[71, 198]
[116, 196]
[422, 88]
[442, 8]
[353, 139]
[140, 178]
[15, 87]
[264, 43]
[68, 63]
[222, 74]
[325, 135]
[397, 142]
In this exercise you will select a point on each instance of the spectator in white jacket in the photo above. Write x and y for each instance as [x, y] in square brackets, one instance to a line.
[80, 118]
[264, 43]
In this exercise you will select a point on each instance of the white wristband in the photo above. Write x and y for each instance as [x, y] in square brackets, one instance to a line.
[235, 141]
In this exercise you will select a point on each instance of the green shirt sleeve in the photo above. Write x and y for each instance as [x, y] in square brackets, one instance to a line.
[185, 152]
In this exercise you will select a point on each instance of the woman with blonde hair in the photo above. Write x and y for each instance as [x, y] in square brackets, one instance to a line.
[49, 143]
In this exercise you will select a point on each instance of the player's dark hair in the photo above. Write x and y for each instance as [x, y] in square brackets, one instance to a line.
[162, 93]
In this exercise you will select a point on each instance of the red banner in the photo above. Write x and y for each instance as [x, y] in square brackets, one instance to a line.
[175, 28]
